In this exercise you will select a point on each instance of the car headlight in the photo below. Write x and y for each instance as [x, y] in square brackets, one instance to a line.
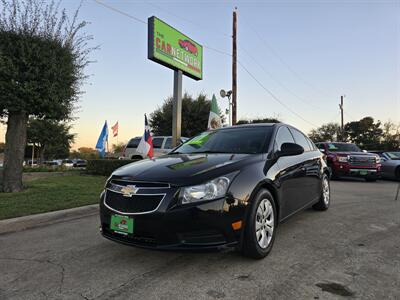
[342, 159]
[210, 190]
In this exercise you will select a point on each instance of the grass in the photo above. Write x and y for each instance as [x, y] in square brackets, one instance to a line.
[52, 193]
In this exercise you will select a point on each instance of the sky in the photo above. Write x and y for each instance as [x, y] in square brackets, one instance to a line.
[296, 58]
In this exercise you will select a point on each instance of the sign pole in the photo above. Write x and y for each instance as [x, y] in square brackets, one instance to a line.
[177, 108]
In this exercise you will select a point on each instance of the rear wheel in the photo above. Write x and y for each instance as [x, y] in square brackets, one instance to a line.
[325, 198]
[259, 233]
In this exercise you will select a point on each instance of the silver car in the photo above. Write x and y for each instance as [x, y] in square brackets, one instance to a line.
[161, 145]
[390, 161]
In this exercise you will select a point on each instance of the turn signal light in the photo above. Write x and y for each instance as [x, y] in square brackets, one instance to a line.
[237, 225]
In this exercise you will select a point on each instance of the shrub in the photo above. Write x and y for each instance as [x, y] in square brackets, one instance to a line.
[105, 167]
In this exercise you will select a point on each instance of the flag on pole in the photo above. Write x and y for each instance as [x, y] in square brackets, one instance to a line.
[214, 120]
[102, 141]
[115, 129]
[145, 146]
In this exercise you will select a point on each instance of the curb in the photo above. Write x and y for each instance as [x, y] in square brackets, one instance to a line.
[49, 218]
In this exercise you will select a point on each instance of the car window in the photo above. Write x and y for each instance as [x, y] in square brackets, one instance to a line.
[336, 147]
[321, 146]
[311, 143]
[133, 143]
[168, 143]
[283, 136]
[157, 143]
[300, 139]
[233, 140]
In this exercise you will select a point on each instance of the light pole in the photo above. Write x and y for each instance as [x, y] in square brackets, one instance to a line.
[228, 94]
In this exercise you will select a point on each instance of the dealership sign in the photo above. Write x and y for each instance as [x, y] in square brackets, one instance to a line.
[173, 49]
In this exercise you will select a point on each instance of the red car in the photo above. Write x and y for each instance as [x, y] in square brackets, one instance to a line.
[346, 159]
[188, 46]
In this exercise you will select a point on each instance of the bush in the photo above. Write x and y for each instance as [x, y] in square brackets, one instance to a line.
[105, 167]
[29, 169]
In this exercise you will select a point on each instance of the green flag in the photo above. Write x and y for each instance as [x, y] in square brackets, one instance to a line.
[214, 120]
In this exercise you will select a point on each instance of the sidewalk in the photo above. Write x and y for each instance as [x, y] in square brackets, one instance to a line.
[32, 221]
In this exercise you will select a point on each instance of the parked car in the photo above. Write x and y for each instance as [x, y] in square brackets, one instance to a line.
[226, 187]
[80, 163]
[51, 163]
[346, 159]
[390, 161]
[161, 144]
[68, 163]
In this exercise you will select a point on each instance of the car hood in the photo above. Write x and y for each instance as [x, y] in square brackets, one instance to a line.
[185, 169]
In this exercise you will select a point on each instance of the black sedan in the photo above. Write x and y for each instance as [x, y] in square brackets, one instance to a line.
[227, 187]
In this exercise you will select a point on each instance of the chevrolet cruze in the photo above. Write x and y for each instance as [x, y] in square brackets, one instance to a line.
[222, 188]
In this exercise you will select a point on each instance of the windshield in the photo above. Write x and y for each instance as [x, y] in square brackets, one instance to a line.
[237, 140]
[393, 155]
[339, 147]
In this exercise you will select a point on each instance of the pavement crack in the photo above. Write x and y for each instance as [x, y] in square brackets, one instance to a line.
[40, 261]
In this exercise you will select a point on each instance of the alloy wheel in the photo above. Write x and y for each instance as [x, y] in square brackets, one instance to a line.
[325, 190]
[264, 223]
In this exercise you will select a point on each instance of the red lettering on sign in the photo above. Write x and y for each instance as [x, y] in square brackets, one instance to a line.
[163, 47]
[158, 43]
[169, 48]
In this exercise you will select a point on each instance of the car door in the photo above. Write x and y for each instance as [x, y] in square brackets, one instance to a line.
[311, 165]
[290, 175]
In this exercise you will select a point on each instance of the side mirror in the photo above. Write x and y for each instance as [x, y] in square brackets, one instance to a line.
[322, 150]
[290, 149]
[365, 151]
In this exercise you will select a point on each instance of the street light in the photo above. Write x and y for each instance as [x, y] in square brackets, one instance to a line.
[228, 94]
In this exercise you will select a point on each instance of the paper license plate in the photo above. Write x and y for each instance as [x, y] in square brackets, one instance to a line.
[122, 224]
[363, 172]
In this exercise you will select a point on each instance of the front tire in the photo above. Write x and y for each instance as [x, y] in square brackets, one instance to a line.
[259, 233]
[325, 198]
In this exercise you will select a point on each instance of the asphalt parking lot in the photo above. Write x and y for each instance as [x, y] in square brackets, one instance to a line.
[352, 250]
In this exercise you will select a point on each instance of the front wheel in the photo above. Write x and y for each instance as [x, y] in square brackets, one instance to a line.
[325, 198]
[259, 233]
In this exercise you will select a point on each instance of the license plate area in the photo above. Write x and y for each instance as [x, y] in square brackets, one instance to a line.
[122, 224]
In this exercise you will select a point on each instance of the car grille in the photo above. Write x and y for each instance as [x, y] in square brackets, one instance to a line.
[146, 198]
[362, 161]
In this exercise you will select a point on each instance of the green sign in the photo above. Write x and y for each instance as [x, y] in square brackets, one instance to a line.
[173, 49]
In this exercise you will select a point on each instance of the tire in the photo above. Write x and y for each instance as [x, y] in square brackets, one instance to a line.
[325, 198]
[334, 175]
[258, 243]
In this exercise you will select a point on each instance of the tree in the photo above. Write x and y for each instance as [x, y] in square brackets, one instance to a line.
[118, 148]
[365, 133]
[42, 59]
[53, 138]
[195, 113]
[85, 153]
[390, 136]
[329, 132]
[258, 120]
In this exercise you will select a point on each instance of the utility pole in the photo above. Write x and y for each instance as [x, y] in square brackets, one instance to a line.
[234, 68]
[177, 108]
[341, 116]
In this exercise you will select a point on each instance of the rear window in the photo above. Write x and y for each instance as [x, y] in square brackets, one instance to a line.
[133, 143]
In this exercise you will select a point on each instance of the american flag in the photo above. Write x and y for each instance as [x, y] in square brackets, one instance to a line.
[115, 129]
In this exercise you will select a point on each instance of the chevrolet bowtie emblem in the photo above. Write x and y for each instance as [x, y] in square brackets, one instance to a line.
[129, 190]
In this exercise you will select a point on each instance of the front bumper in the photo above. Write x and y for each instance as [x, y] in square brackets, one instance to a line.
[345, 169]
[204, 226]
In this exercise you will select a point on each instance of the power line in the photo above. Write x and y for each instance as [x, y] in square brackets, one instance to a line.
[279, 57]
[218, 51]
[275, 97]
[279, 82]
[120, 11]
[201, 26]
